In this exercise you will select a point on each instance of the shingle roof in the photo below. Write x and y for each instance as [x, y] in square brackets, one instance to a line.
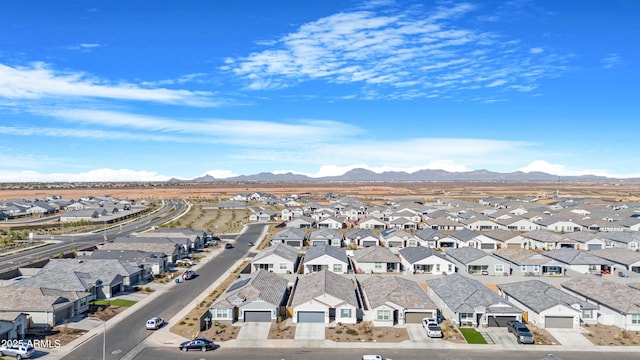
[262, 285]
[283, 250]
[415, 254]
[462, 294]
[359, 233]
[429, 234]
[618, 255]
[575, 257]
[403, 292]
[614, 295]
[289, 234]
[22, 298]
[539, 296]
[314, 285]
[465, 255]
[374, 254]
[319, 250]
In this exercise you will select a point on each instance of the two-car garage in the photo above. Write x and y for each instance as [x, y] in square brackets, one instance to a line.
[558, 322]
[257, 316]
[311, 316]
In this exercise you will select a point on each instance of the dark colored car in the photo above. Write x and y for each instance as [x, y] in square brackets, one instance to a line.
[228, 246]
[521, 332]
[201, 344]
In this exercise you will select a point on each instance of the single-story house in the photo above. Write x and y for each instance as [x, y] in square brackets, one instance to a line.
[325, 257]
[330, 223]
[44, 306]
[323, 297]
[618, 304]
[375, 259]
[547, 306]
[530, 263]
[13, 325]
[505, 238]
[257, 297]
[624, 239]
[423, 260]
[361, 238]
[290, 236]
[372, 223]
[546, 240]
[469, 238]
[302, 222]
[580, 261]
[476, 261]
[394, 300]
[621, 258]
[279, 258]
[325, 237]
[397, 238]
[469, 303]
[153, 263]
[429, 237]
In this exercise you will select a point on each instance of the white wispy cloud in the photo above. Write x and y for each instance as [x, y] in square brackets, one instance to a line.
[400, 52]
[38, 81]
[97, 175]
[611, 60]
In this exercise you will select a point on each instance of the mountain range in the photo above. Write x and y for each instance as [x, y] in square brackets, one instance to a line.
[364, 175]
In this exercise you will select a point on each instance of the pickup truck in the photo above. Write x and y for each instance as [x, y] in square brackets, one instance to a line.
[521, 332]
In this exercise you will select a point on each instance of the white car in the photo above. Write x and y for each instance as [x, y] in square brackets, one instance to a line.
[434, 331]
[17, 349]
[428, 321]
[183, 262]
[373, 357]
[155, 323]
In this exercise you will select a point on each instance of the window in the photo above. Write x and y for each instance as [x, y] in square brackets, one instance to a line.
[337, 267]
[587, 314]
[635, 319]
[523, 268]
[383, 314]
[345, 313]
[222, 313]
[437, 267]
[450, 267]
[499, 268]
[283, 266]
[378, 265]
[536, 268]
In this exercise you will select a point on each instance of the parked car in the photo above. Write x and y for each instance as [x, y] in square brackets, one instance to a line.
[428, 321]
[155, 323]
[520, 331]
[434, 331]
[228, 246]
[250, 243]
[201, 344]
[185, 261]
[17, 349]
[374, 357]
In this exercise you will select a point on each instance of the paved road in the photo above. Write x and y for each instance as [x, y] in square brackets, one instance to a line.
[123, 336]
[13, 261]
[355, 354]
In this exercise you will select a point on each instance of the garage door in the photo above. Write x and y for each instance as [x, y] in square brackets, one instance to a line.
[594, 246]
[311, 316]
[294, 243]
[416, 318]
[514, 246]
[500, 321]
[487, 246]
[369, 243]
[257, 316]
[558, 322]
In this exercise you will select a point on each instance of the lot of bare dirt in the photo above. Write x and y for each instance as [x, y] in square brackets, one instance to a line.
[609, 335]
[282, 330]
[365, 332]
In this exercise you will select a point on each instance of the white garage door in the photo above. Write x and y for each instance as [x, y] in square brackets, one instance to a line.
[558, 322]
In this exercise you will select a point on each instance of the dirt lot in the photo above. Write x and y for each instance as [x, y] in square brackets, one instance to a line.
[283, 330]
[609, 335]
[365, 332]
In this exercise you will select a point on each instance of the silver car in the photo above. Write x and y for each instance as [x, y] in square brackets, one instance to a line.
[18, 350]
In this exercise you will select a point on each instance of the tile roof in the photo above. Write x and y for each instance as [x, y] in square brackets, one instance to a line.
[280, 249]
[539, 296]
[575, 257]
[398, 290]
[374, 254]
[261, 285]
[609, 293]
[465, 255]
[315, 252]
[415, 254]
[315, 285]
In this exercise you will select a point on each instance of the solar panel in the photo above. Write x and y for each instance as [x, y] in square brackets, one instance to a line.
[238, 284]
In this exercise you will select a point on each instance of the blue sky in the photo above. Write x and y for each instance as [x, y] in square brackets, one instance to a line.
[150, 90]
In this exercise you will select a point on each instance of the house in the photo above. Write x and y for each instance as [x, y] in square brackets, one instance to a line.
[403, 224]
[618, 304]
[103, 278]
[623, 239]
[394, 300]
[302, 222]
[468, 238]
[372, 223]
[479, 224]
[505, 238]
[330, 223]
[476, 261]
[397, 238]
[580, 261]
[547, 306]
[326, 257]
[279, 258]
[290, 236]
[516, 224]
[257, 297]
[173, 250]
[375, 259]
[190, 239]
[422, 260]
[153, 263]
[325, 237]
[557, 224]
[443, 224]
[13, 325]
[429, 238]
[530, 263]
[43, 306]
[546, 240]
[323, 297]
[361, 238]
[264, 215]
[467, 302]
[621, 258]
[586, 240]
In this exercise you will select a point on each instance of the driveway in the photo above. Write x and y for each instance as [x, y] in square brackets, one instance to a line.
[254, 331]
[499, 336]
[310, 331]
[417, 332]
[571, 337]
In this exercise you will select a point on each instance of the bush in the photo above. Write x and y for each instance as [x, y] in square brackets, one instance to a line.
[352, 332]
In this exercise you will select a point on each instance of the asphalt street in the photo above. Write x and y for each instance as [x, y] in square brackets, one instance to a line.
[123, 336]
[355, 354]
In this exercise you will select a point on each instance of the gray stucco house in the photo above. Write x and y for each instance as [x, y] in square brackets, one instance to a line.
[476, 261]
